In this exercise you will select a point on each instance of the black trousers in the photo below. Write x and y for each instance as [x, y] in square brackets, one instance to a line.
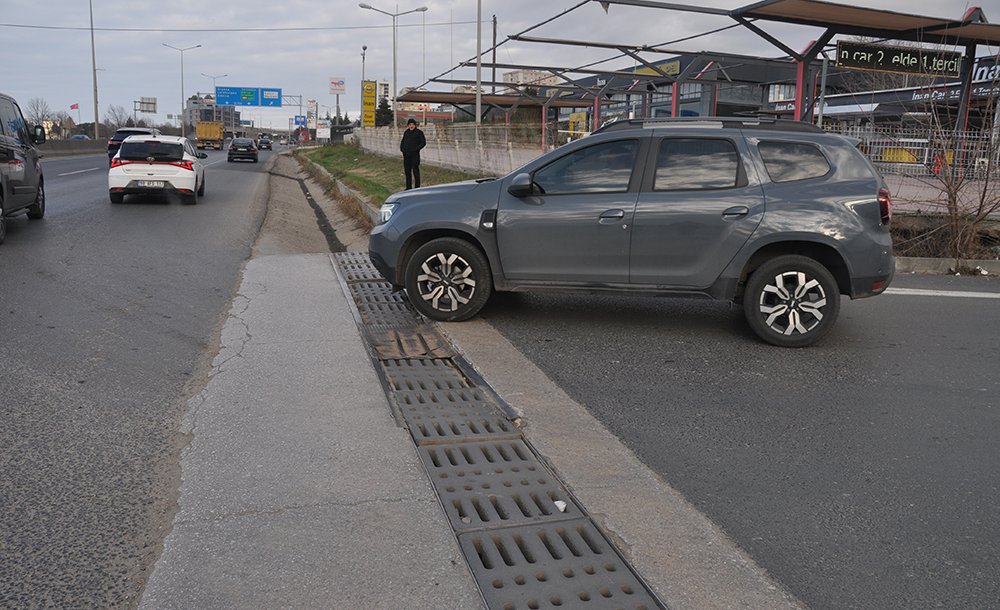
[411, 167]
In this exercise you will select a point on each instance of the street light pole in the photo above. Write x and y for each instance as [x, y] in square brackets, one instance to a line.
[93, 61]
[182, 79]
[215, 106]
[395, 122]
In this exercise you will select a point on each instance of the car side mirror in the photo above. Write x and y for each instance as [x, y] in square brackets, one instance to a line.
[39, 134]
[202, 155]
[521, 185]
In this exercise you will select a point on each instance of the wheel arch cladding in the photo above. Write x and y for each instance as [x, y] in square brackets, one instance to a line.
[824, 254]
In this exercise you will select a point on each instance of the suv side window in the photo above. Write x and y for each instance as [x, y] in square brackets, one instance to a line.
[601, 168]
[697, 164]
[789, 161]
[13, 122]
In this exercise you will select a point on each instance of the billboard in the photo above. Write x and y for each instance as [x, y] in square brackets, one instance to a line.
[368, 94]
[904, 60]
[337, 85]
[248, 96]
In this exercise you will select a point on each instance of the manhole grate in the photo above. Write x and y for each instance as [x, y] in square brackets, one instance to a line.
[495, 484]
[561, 564]
[421, 342]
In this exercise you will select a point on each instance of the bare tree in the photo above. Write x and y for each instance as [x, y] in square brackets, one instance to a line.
[38, 111]
[116, 116]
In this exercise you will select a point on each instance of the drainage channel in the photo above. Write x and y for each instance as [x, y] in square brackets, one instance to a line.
[528, 542]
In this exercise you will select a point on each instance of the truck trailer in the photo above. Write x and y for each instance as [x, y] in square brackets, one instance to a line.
[210, 134]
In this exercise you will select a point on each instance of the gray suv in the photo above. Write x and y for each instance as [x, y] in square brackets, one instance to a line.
[22, 185]
[778, 216]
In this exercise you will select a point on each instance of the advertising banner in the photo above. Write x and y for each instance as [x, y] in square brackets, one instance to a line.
[337, 85]
[312, 108]
[368, 94]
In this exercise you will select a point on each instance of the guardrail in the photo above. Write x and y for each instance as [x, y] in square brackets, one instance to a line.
[61, 148]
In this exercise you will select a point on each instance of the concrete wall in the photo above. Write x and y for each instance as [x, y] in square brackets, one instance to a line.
[487, 159]
[59, 148]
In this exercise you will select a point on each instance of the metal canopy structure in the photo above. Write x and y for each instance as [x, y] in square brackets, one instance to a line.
[971, 30]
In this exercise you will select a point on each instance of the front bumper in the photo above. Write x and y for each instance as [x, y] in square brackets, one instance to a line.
[383, 247]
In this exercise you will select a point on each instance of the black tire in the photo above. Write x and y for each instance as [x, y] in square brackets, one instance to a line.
[201, 189]
[3, 225]
[448, 280]
[117, 197]
[229, 160]
[36, 211]
[191, 199]
[791, 301]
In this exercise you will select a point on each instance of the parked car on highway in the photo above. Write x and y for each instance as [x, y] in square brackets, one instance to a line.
[242, 148]
[264, 144]
[775, 215]
[115, 141]
[22, 185]
[156, 164]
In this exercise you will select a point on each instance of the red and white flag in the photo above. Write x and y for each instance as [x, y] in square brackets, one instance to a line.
[74, 106]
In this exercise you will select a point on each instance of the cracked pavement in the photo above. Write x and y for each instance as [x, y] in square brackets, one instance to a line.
[297, 488]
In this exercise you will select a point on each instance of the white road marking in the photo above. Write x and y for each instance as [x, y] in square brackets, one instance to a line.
[79, 171]
[918, 292]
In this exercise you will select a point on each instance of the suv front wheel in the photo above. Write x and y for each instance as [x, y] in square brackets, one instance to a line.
[791, 301]
[448, 280]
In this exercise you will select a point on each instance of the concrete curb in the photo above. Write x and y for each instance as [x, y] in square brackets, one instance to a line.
[944, 266]
[347, 191]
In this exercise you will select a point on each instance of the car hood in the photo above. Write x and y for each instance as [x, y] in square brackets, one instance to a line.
[437, 191]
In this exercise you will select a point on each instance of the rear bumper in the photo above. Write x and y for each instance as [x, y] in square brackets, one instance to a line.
[242, 155]
[169, 188]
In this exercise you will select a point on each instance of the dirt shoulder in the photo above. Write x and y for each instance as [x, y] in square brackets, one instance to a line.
[301, 219]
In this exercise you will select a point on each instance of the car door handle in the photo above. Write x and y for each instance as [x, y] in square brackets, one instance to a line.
[737, 211]
[612, 214]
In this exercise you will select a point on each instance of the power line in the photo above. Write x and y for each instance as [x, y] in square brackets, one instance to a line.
[216, 30]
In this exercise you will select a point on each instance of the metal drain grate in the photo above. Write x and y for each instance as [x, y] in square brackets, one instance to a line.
[495, 484]
[529, 544]
[563, 564]
[440, 405]
[356, 266]
[380, 307]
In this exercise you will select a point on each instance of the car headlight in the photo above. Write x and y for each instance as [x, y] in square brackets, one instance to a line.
[385, 212]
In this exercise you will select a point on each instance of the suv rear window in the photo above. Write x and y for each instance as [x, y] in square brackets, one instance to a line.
[790, 161]
[144, 149]
[696, 163]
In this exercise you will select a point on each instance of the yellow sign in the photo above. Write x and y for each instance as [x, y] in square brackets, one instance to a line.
[368, 90]
[578, 124]
[672, 67]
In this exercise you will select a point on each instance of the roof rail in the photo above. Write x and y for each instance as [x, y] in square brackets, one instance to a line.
[718, 122]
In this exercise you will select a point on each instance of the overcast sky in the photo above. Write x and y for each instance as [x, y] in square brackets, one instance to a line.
[55, 64]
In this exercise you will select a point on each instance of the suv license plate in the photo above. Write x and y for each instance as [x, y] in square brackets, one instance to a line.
[158, 184]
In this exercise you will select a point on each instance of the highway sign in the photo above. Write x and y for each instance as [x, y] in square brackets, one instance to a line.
[247, 96]
[300, 119]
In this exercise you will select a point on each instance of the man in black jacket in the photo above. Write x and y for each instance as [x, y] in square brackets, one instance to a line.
[413, 140]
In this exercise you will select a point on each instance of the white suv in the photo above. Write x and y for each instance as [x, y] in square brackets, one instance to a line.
[157, 164]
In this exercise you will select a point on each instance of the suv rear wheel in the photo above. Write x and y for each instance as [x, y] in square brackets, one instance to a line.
[448, 280]
[791, 301]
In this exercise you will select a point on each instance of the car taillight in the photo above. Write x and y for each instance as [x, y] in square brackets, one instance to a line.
[115, 162]
[110, 142]
[885, 205]
[183, 164]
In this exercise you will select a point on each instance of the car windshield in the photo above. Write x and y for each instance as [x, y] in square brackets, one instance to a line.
[157, 150]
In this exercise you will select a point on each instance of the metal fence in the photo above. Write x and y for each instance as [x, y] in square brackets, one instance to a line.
[927, 152]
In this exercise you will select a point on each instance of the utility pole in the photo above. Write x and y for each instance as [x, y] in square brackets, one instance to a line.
[493, 76]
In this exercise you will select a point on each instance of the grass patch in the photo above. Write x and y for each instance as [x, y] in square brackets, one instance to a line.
[374, 176]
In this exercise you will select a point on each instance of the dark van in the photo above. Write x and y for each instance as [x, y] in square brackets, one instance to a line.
[22, 187]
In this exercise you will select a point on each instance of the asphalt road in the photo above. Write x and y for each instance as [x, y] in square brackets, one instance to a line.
[861, 473]
[107, 313]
